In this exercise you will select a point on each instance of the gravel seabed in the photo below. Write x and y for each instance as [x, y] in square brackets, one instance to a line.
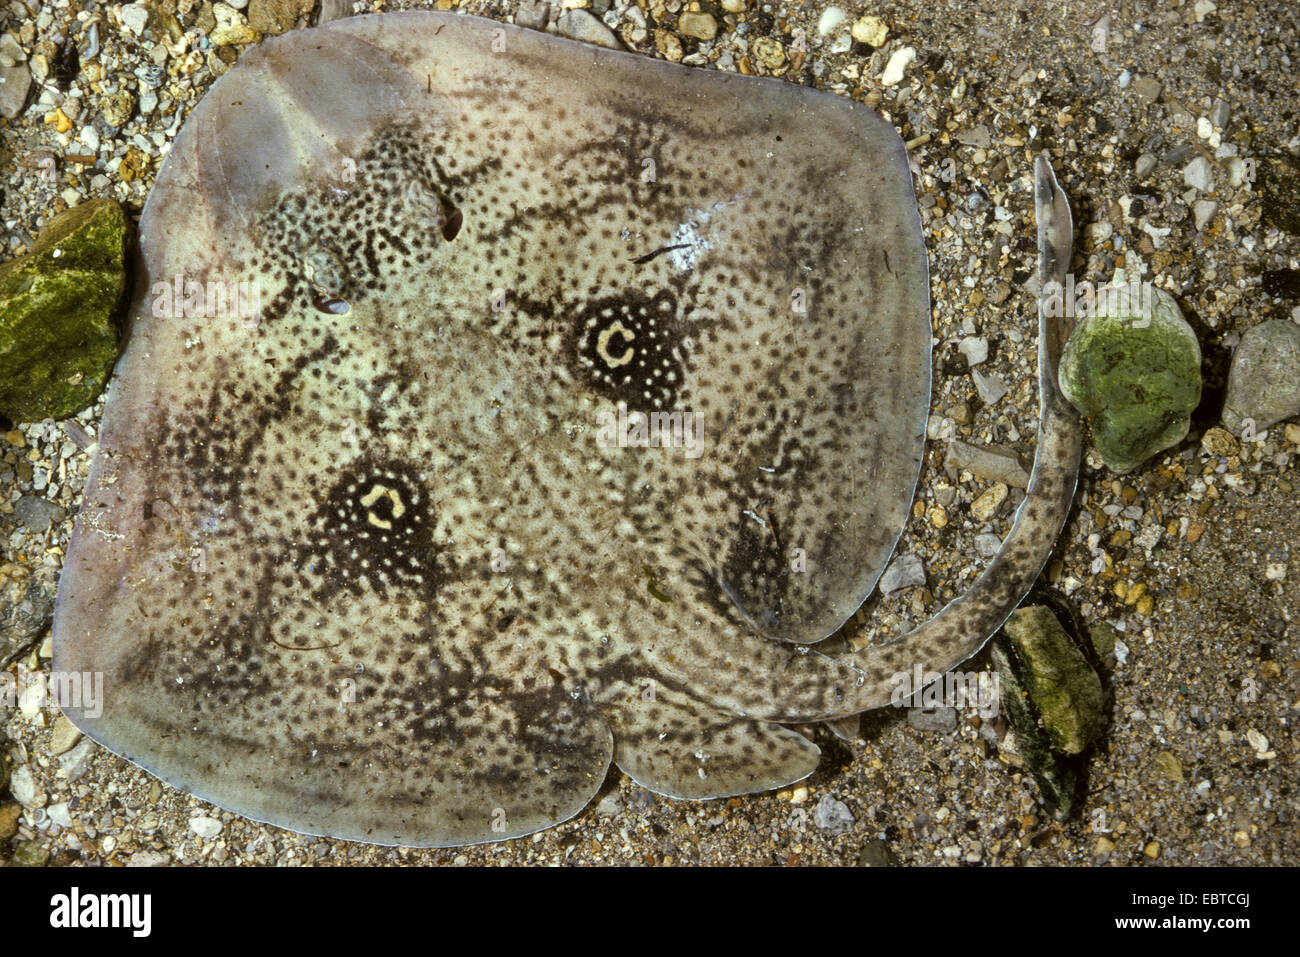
[1190, 557]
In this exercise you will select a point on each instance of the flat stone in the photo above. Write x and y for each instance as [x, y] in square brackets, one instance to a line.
[38, 513]
[1203, 211]
[702, 26]
[1198, 174]
[15, 84]
[992, 464]
[581, 25]
[533, 16]
[833, 815]
[1264, 377]
[1147, 89]
[905, 571]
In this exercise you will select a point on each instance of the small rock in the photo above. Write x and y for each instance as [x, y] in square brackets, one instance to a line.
[990, 464]
[10, 814]
[1144, 165]
[581, 25]
[987, 505]
[329, 9]
[974, 348]
[63, 736]
[832, 19]
[876, 854]
[135, 17]
[59, 305]
[702, 26]
[769, 53]
[1220, 113]
[11, 52]
[149, 859]
[205, 827]
[987, 545]
[38, 513]
[832, 815]
[1170, 768]
[905, 571]
[1133, 366]
[76, 761]
[533, 16]
[59, 814]
[29, 854]
[898, 63]
[1198, 174]
[273, 17]
[1203, 211]
[23, 786]
[1203, 9]
[1264, 377]
[26, 607]
[231, 28]
[940, 720]
[1147, 89]
[1152, 850]
[117, 108]
[735, 6]
[609, 805]
[15, 84]
[1219, 442]
[871, 30]
[991, 388]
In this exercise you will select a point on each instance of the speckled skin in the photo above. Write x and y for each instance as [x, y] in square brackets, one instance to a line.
[373, 573]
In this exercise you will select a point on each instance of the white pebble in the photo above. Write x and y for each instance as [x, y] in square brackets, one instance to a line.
[897, 64]
[135, 17]
[205, 827]
[832, 19]
[1204, 210]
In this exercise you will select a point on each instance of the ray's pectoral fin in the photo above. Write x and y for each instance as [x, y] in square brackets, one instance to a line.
[680, 746]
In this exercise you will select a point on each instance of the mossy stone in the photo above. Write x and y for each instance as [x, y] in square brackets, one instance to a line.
[1060, 682]
[59, 310]
[1133, 367]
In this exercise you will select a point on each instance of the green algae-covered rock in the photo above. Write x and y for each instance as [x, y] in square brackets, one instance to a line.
[59, 309]
[1133, 367]
[1061, 684]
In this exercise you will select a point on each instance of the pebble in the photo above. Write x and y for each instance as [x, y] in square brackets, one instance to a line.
[993, 465]
[871, 30]
[1199, 175]
[832, 815]
[231, 28]
[974, 348]
[987, 545]
[135, 17]
[63, 736]
[59, 814]
[876, 854]
[898, 63]
[1144, 165]
[609, 805]
[940, 720]
[768, 52]
[117, 108]
[991, 388]
[15, 84]
[76, 761]
[832, 19]
[149, 859]
[702, 26]
[582, 25]
[905, 571]
[205, 827]
[30, 854]
[11, 52]
[1264, 377]
[38, 513]
[23, 786]
[735, 6]
[533, 16]
[986, 506]
[1220, 113]
[1203, 211]
[1147, 89]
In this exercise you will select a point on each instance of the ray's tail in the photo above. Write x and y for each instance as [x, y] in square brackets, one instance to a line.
[866, 679]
